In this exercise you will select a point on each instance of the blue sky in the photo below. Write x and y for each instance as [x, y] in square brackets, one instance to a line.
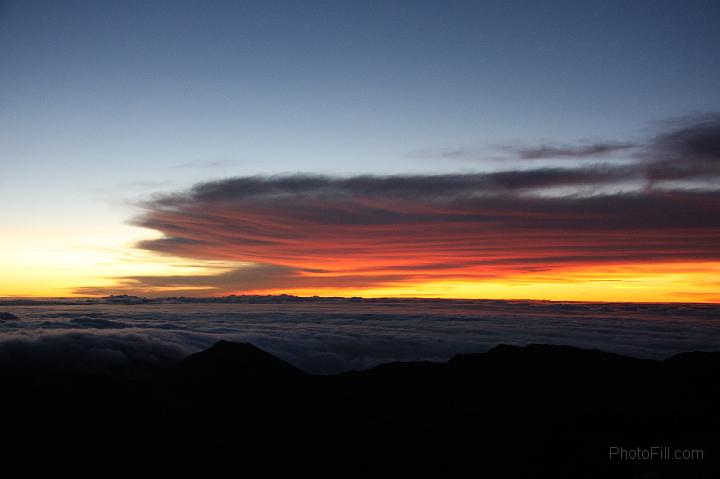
[141, 87]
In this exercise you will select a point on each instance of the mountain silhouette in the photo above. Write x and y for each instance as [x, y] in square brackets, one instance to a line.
[536, 410]
[228, 361]
[546, 361]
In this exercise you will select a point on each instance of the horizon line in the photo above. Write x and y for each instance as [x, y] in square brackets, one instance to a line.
[349, 298]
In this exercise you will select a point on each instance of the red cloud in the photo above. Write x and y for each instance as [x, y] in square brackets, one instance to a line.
[371, 230]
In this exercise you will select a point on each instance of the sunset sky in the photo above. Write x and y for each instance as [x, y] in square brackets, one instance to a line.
[556, 150]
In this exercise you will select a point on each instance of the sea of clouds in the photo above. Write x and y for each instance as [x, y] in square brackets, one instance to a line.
[330, 338]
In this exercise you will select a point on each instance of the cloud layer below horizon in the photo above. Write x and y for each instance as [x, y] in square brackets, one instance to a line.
[309, 232]
[330, 338]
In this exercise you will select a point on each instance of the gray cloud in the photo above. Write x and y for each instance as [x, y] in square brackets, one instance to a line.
[97, 323]
[571, 152]
[691, 151]
[585, 150]
[326, 337]
[688, 149]
[292, 220]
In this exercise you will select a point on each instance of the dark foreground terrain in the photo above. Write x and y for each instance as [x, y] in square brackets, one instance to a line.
[535, 410]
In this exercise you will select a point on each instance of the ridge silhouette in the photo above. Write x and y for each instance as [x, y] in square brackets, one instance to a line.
[536, 409]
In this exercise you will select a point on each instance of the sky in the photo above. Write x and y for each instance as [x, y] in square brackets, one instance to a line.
[546, 150]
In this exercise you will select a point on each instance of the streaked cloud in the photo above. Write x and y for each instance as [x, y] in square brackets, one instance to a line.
[689, 152]
[571, 152]
[313, 231]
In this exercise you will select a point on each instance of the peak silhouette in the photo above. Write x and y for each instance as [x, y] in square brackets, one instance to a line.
[233, 361]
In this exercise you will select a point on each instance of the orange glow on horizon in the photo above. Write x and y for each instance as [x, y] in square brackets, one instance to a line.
[673, 282]
[455, 260]
[668, 282]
